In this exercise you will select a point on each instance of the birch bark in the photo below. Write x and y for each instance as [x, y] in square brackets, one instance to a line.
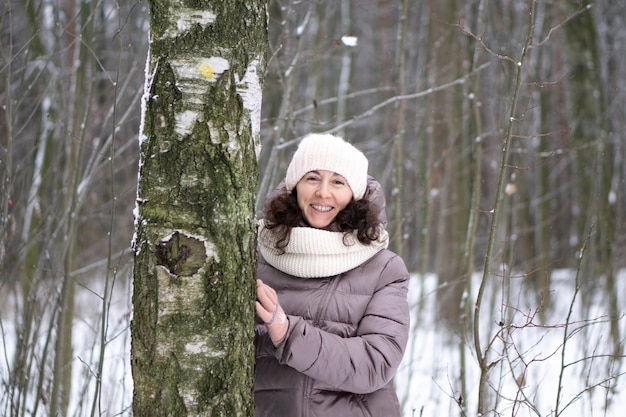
[195, 258]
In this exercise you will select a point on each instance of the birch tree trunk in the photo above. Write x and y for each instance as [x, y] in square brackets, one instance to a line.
[195, 259]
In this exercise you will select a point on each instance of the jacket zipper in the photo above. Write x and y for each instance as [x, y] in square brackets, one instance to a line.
[306, 397]
[321, 311]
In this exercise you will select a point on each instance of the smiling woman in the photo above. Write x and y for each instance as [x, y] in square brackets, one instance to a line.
[331, 299]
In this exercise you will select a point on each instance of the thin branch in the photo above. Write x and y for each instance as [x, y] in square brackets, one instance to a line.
[566, 20]
[393, 100]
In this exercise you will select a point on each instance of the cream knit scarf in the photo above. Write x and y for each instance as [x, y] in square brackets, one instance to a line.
[317, 253]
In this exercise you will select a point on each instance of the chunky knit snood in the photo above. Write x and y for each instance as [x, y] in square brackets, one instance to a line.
[317, 253]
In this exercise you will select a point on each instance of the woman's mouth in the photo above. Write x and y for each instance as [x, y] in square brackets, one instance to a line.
[323, 209]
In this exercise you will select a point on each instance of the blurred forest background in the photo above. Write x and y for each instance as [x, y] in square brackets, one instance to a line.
[465, 108]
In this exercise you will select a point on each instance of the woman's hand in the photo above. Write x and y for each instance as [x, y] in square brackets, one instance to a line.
[270, 311]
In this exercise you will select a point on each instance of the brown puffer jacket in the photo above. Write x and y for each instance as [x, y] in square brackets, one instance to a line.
[346, 338]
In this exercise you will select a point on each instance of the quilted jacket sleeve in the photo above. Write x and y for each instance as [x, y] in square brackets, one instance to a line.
[366, 362]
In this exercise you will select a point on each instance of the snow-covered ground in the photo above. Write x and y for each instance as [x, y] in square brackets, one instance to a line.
[530, 351]
[531, 358]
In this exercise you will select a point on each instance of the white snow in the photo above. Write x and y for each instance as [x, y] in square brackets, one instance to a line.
[350, 41]
[148, 78]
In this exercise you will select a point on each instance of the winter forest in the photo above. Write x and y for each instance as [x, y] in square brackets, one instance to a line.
[495, 126]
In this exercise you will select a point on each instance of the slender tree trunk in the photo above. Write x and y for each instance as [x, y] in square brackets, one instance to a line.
[81, 93]
[195, 260]
[592, 157]
[469, 250]
[483, 354]
[343, 84]
[451, 150]
[398, 239]
[539, 276]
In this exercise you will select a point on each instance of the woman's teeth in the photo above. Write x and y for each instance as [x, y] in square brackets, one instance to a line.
[321, 208]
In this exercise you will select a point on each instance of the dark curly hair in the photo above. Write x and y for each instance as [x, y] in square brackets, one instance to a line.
[282, 213]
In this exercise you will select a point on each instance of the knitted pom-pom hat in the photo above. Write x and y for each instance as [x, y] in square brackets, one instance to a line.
[330, 153]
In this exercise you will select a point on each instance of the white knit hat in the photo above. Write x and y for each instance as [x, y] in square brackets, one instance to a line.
[330, 153]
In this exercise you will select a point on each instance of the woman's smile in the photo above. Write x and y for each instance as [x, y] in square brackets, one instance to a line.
[321, 208]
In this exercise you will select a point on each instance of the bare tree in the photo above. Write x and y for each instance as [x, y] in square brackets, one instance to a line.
[61, 153]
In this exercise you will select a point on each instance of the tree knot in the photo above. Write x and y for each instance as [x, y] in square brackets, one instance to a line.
[181, 254]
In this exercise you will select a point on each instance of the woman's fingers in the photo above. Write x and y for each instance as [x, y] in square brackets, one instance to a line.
[267, 296]
[262, 312]
[267, 301]
[269, 290]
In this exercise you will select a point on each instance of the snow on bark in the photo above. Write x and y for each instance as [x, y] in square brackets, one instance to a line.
[147, 84]
[350, 41]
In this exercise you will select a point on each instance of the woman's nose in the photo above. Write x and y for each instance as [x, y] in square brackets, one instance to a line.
[323, 190]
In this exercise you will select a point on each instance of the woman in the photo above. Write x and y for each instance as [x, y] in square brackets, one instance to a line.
[330, 297]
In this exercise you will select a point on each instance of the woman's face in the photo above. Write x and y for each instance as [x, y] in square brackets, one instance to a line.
[321, 196]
